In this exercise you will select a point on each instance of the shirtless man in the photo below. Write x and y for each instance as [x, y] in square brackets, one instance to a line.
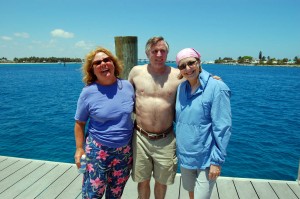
[153, 141]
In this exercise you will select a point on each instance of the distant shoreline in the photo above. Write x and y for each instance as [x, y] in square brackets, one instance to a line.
[258, 65]
[46, 63]
[292, 65]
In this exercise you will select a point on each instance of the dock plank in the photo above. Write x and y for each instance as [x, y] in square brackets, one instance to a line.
[13, 167]
[27, 179]
[56, 188]
[214, 194]
[43, 183]
[282, 190]
[6, 162]
[80, 196]
[73, 190]
[295, 188]
[226, 188]
[245, 189]
[9, 181]
[173, 191]
[264, 189]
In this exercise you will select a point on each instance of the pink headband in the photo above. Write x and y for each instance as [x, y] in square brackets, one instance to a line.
[187, 52]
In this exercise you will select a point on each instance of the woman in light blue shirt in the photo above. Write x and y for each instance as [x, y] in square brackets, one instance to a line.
[203, 125]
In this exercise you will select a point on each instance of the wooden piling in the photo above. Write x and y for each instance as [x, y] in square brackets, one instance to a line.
[127, 52]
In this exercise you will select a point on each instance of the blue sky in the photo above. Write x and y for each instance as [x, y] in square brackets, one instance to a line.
[216, 28]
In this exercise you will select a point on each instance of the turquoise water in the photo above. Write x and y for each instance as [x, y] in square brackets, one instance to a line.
[38, 104]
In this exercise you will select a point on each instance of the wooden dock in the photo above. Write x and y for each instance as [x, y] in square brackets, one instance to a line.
[28, 179]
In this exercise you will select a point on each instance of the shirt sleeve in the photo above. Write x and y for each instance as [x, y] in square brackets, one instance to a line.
[82, 113]
[221, 124]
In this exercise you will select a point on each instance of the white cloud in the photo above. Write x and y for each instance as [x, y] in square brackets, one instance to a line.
[83, 44]
[37, 42]
[5, 38]
[22, 34]
[51, 44]
[61, 33]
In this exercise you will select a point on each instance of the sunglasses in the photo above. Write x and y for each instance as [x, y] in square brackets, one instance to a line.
[98, 62]
[189, 63]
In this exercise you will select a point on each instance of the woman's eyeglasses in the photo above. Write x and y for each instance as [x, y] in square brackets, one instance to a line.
[98, 62]
[189, 63]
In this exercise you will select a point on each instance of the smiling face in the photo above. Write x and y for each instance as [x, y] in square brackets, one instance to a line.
[158, 53]
[189, 68]
[103, 68]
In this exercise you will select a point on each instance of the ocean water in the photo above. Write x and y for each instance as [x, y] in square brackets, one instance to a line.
[38, 103]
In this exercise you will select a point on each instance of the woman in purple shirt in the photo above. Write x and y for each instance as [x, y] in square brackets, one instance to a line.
[105, 104]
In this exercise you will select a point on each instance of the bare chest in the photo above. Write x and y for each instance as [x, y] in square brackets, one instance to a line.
[156, 87]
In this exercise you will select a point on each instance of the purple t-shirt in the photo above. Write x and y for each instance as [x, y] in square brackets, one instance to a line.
[107, 109]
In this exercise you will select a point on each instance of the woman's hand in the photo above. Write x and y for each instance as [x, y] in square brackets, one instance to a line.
[217, 77]
[214, 172]
[79, 152]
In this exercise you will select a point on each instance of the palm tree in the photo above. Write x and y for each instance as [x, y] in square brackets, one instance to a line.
[260, 56]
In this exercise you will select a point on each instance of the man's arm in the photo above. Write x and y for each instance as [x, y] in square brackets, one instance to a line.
[131, 75]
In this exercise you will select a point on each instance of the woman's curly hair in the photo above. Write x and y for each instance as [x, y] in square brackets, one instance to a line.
[87, 68]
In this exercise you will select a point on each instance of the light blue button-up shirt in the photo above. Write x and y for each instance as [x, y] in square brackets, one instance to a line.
[203, 123]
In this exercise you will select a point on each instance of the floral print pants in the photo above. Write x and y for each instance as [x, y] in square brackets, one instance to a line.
[108, 170]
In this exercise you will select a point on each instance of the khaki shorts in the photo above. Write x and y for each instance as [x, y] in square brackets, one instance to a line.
[157, 156]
